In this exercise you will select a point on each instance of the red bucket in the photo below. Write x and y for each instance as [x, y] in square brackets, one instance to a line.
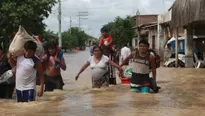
[125, 80]
[77, 48]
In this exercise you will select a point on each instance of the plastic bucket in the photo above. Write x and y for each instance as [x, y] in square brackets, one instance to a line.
[125, 80]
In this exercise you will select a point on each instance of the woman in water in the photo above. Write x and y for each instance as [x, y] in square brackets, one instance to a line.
[99, 68]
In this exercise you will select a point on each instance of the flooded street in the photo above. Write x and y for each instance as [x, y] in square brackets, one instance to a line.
[182, 94]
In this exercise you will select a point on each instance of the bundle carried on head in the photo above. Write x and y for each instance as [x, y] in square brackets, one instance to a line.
[16, 47]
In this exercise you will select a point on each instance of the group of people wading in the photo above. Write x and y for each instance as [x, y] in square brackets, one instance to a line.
[28, 68]
[101, 62]
[46, 69]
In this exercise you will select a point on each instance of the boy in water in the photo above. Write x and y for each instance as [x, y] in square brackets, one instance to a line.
[54, 62]
[27, 66]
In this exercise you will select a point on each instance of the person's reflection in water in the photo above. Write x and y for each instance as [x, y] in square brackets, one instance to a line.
[99, 65]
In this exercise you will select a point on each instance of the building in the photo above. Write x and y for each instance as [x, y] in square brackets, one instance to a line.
[145, 28]
[189, 14]
[165, 33]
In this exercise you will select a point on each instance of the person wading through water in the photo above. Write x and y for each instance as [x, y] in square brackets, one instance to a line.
[98, 64]
[53, 63]
[106, 45]
[6, 88]
[142, 61]
[27, 67]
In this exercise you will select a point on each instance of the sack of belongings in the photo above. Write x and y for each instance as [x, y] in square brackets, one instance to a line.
[16, 47]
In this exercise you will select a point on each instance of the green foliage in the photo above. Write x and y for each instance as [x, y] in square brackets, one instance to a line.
[74, 37]
[28, 13]
[121, 30]
[48, 34]
[80, 35]
[69, 41]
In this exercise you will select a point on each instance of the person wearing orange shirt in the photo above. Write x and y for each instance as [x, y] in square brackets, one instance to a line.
[106, 45]
[105, 41]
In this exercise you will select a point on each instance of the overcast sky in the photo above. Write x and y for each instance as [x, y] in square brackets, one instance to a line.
[101, 12]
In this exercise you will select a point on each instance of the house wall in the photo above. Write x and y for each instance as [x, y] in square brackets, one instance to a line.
[152, 38]
[181, 31]
[164, 18]
[144, 19]
[165, 33]
[134, 39]
[140, 20]
[134, 42]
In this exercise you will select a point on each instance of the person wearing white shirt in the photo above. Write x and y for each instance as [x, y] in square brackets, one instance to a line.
[125, 52]
[27, 67]
[99, 68]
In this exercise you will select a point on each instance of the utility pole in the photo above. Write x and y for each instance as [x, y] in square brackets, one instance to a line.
[176, 48]
[70, 25]
[138, 22]
[79, 19]
[59, 24]
[82, 16]
[164, 6]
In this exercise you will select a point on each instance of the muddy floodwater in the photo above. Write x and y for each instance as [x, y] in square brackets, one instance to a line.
[182, 94]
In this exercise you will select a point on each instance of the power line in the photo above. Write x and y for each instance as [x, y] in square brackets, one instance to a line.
[64, 1]
[82, 16]
[65, 20]
[110, 6]
[70, 22]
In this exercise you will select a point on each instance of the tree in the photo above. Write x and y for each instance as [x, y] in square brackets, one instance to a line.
[69, 41]
[121, 30]
[28, 13]
[81, 36]
[48, 34]
[74, 37]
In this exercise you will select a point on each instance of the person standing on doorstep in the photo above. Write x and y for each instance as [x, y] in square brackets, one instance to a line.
[53, 63]
[27, 66]
[142, 60]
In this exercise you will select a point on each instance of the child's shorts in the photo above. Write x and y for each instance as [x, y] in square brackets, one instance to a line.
[142, 89]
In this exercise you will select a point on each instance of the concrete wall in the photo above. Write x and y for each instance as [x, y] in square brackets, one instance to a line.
[140, 20]
[152, 38]
[145, 19]
[134, 42]
[163, 18]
